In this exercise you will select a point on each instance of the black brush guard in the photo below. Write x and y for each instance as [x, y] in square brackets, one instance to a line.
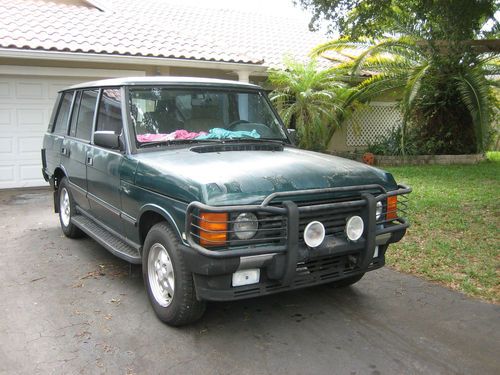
[369, 195]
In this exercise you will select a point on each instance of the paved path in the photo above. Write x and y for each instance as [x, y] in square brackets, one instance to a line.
[69, 307]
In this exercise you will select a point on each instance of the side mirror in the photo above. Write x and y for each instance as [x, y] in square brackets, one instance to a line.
[291, 134]
[107, 139]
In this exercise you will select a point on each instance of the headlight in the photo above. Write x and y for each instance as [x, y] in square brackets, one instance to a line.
[379, 209]
[354, 228]
[246, 225]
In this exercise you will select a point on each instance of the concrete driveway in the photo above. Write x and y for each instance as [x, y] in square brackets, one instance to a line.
[70, 307]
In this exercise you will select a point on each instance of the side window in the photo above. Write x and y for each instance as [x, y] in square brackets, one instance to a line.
[74, 114]
[85, 117]
[110, 111]
[61, 125]
[57, 104]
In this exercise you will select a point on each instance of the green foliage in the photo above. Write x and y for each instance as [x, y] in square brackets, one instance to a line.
[391, 144]
[426, 19]
[445, 94]
[453, 237]
[414, 143]
[309, 100]
[493, 156]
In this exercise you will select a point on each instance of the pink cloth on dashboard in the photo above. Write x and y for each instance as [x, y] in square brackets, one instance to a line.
[155, 137]
[184, 134]
[178, 134]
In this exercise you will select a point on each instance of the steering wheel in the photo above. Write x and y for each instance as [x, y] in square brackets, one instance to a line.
[263, 130]
[237, 122]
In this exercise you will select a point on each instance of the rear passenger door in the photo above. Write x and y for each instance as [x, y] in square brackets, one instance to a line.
[53, 145]
[103, 166]
[76, 146]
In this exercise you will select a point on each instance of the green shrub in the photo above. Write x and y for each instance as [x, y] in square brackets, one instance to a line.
[394, 144]
[413, 144]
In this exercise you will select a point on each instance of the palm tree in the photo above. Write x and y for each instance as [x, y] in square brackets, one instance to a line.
[309, 100]
[438, 85]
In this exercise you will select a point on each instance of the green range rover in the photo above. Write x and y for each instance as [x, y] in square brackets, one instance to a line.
[199, 181]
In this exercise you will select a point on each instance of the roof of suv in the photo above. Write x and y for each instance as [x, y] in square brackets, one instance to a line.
[158, 80]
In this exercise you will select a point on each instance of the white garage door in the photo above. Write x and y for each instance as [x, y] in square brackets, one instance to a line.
[25, 107]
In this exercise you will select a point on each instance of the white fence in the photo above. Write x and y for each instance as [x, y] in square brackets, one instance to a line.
[372, 122]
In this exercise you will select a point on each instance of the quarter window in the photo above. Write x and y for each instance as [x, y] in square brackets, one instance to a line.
[110, 111]
[61, 126]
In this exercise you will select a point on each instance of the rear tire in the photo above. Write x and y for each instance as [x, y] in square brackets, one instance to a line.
[168, 282]
[67, 210]
[348, 281]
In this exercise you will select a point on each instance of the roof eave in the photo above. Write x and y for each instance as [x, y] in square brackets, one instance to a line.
[255, 69]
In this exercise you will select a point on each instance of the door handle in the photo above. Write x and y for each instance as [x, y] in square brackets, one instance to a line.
[64, 151]
[90, 161]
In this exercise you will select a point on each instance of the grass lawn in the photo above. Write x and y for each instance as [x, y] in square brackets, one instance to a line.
[454, 237]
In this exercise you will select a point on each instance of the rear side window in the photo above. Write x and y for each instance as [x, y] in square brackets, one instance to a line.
[61, 125]
[74, 114]
[110, 112]
[57, 104]
[85, 117]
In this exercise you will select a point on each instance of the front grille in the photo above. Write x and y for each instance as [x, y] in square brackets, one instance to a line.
[273, 227]
[310, 272]
[326, 268]
[334, 220]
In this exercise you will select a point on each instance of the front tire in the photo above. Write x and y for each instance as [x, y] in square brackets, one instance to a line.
[67, 210]
[168, 282]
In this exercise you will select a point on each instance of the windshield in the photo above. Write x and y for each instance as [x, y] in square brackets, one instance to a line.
[166, 115]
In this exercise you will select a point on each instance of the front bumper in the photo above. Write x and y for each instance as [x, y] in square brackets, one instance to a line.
[290, 264]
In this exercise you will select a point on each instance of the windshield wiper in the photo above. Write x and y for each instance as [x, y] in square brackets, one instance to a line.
[269, 140]
[212, 140]
[153, 143]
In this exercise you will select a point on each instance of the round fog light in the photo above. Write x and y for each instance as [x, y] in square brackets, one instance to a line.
[314, 234]
[246, 225]
[354, 228]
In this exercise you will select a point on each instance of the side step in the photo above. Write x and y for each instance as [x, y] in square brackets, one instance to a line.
[111, 242]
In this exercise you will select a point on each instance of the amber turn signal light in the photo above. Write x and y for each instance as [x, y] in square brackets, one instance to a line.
[392, 208]
[213, 228]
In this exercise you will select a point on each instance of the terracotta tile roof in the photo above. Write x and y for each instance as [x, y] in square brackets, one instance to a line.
[155, 28]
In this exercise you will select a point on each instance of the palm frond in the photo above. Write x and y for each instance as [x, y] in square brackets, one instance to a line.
[309, 99]
[378, 85]
[387, 64]
[491, 68]
[341, 45]
[493, 83]
[473, 88]
[399, 49]
[412, 88]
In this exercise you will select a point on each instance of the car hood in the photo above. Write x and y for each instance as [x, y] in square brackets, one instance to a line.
[245, 177]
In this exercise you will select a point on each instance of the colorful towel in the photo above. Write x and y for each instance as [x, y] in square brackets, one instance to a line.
[219, 133]
[155, 137]
[178, 134]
